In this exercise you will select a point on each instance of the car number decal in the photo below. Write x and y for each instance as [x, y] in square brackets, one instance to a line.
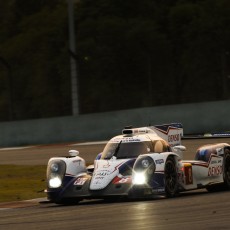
[80, 181]
[124, 180]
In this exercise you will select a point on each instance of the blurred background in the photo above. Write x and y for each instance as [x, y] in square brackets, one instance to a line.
[128, 54]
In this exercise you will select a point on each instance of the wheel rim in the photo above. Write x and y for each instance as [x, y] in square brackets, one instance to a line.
[170, 177]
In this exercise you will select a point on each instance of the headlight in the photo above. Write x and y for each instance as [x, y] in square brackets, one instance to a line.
[55, 173]
[55, 182]
[139, 178]
[54, 167]
[145, 163]
[143, 170]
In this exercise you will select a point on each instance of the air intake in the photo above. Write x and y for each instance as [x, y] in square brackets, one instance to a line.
[127, 131]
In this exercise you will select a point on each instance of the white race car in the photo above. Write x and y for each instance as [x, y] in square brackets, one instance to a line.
[142, 162]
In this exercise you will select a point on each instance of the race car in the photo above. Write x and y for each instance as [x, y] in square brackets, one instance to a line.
[141, 162]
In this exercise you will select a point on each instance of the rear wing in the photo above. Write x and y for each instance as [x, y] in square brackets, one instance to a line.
[171, 133]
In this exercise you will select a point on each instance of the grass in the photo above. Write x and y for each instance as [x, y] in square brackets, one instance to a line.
[19, 182]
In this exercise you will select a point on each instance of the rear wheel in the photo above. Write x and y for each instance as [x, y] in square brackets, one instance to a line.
[226, 168]
[171, 178]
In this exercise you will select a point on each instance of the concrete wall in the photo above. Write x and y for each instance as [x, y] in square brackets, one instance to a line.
[196, 118]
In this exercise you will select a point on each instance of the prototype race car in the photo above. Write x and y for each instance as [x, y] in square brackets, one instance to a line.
[142, 162]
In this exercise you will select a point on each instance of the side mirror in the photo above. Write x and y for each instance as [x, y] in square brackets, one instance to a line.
[73, 153]
[179, 147]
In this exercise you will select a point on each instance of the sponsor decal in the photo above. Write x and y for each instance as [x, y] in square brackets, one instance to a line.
[80, 181]
[142, 131]
[160, 161]
[159, 190]
[99, 178]
[98, 182]
[125, 140]
[216, 162]
[172, 138]
[215, 170]
[106, 165]
[102, 173]
[131, 140]
[77, 162]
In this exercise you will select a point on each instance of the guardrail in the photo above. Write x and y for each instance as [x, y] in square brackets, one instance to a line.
[209, 117]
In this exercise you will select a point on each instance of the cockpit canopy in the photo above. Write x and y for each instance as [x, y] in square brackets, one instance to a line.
[122, 149]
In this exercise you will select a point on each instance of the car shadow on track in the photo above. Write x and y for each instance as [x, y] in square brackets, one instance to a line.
[158, 198]
[100, 201]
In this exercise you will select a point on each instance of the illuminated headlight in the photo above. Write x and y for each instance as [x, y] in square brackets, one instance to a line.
[143, 170]
[55, 173]
[139, 178]
[55, 182]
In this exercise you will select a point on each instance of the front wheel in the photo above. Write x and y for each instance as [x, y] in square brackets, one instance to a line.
[171, 178]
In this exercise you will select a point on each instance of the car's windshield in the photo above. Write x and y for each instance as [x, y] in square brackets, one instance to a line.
[124, 150]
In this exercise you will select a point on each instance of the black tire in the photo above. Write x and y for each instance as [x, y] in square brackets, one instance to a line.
[215, 188]
[171, 178]
[226, 169]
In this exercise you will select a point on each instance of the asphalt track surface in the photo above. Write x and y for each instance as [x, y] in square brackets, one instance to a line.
[191, 210]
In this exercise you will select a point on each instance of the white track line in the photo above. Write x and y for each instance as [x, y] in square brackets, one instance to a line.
[16, 148]
[91, 143]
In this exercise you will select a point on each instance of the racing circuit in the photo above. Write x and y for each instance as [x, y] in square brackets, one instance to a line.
[191, 210]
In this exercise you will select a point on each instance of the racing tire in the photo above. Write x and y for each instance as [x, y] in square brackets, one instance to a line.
[226, 169]
[171, 178]
[215, 188]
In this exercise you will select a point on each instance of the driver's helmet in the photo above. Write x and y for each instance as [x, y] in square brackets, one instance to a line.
[203, 154]
[160, 146]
